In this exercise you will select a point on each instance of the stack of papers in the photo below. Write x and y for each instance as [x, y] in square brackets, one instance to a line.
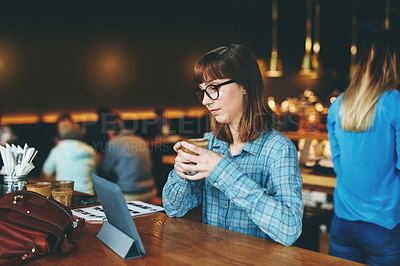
[96, 213]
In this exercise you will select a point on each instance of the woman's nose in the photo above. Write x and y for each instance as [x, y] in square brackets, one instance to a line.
[206, 100]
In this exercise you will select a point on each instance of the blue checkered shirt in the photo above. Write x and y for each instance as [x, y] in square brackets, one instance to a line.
[256, 192]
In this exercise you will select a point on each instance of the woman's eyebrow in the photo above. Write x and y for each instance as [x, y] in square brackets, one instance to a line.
[210, 82]
[205, 84]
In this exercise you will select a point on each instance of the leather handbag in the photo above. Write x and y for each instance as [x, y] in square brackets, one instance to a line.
[32, 225]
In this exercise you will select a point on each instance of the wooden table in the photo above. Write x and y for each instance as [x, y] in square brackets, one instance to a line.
[183, 241]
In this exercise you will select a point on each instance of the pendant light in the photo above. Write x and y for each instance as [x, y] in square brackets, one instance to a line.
[387, 14]
[353, 48]
[316, 45]
[306, 66]
[275, 64]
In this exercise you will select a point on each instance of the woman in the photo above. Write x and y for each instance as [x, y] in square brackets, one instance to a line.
[248, 180]
[364, 133]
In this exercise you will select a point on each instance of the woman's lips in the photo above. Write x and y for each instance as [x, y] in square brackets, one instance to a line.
[214, 111]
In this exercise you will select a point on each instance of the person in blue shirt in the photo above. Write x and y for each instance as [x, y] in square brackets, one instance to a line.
[248, 179]
[127, 161]
[364, 134]
[71, 158]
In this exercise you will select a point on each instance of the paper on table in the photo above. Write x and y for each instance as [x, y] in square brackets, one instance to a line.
[96, 213]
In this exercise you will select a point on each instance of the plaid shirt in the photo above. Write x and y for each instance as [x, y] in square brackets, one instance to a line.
[256, 192]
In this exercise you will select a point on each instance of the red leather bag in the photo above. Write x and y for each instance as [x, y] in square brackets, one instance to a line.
[32, 224]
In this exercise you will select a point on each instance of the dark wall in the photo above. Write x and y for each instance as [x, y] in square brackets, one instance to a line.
[76, 56]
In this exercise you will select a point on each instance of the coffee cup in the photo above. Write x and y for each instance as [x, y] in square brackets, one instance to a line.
[61, 191]
[202, 143]
[43, 188]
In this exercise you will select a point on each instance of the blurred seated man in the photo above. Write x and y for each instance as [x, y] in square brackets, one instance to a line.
[71, 158]
[96, 134]
[127, 162]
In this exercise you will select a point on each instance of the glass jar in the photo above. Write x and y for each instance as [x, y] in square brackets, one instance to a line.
[14, 183]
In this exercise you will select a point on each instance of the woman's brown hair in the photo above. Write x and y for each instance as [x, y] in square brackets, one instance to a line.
[237, 62]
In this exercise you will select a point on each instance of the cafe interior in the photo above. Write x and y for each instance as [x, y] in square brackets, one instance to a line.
[137, 57]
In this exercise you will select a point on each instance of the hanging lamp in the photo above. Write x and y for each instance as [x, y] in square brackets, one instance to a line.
[353, 47]
[387, 16]
[316, 46]
[306, 66]
[275, 64]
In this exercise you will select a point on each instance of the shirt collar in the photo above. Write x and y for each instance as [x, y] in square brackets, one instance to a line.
[220, 144]
[125, 132]
[253, 147]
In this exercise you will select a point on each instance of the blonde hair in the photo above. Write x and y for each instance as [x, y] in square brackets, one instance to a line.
[376, 72]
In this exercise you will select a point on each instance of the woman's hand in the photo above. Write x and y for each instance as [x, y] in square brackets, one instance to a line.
[204, 163]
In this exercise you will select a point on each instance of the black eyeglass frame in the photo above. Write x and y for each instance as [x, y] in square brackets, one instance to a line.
[199, 93]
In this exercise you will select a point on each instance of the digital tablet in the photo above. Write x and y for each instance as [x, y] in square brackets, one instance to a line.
[119, 232]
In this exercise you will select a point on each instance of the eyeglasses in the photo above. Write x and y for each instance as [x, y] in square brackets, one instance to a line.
[212, 91]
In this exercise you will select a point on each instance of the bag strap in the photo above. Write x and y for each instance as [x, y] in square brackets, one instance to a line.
[67, 243]
[50, 200]
[77, 231]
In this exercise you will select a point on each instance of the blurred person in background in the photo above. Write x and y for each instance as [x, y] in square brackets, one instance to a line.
[97, 134]
[71, 158]
[7, 135]
[163, 124]
[127, 162]
[364, 134]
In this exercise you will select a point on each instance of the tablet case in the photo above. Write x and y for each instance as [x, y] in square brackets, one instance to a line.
[119, 232]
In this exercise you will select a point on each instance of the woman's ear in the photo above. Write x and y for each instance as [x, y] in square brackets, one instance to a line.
[243, 90]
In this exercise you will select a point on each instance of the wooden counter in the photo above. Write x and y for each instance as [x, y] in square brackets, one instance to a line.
[317, 182]
[303, 134]
[182, 241]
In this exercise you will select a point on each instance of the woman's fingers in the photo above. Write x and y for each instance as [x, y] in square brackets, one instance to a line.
[201, 164]
[191, 176]
[186, 157]
[177, 146]
[185, 167]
